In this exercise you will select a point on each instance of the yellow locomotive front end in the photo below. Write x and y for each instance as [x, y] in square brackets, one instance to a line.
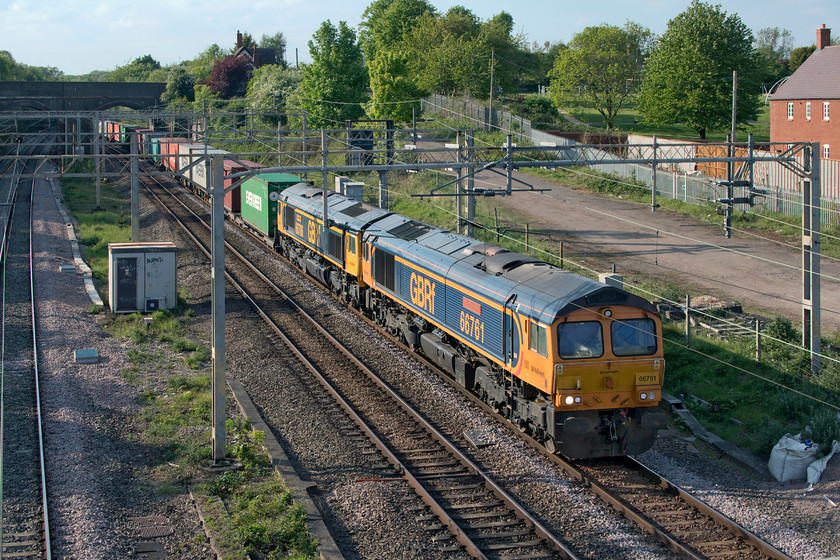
[607, 381]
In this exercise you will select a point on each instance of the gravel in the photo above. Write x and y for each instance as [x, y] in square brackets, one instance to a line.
[91, 421]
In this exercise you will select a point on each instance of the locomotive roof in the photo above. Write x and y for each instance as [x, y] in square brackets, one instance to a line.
[340, 209]
[542, 291]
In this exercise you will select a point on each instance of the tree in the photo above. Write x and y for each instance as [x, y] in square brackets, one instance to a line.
[334, 85]
[386, 22]
[774, 43]
[180, 86]
[277, 43]
[202, 65]
[600, 68]
[247, 41]
[271, 87]
[138, 70]
[230, 77]
[394, 92]
[688, 77]
[9, 69]
[798, 56]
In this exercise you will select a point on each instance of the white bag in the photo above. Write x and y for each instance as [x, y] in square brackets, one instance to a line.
[816, 468]
[790, 458]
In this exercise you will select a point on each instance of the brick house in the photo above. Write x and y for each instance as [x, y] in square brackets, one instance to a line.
[801, 108]
[257, 56]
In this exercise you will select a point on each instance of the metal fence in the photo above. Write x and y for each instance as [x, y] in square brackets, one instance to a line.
[782, 188]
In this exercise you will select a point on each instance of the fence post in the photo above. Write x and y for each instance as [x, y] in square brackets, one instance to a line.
[653, 189]
[561, 255]
[687, 320]
[527, 238]
[757, 339]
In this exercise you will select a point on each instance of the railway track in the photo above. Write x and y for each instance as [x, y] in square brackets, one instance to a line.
[682, 523]
[467, 511]
[24, 519]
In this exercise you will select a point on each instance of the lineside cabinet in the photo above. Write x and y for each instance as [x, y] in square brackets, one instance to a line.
[141, 277]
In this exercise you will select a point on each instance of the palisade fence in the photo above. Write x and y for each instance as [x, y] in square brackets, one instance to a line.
[782, 188]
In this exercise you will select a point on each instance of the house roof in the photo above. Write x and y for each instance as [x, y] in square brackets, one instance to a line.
[265, 56]
[817, 78]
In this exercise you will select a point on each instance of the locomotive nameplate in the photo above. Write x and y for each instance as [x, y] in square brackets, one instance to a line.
[647, 379]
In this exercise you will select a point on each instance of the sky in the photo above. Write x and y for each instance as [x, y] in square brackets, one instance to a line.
[78, 36]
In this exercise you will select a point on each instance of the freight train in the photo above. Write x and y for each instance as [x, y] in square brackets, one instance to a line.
[576, 363]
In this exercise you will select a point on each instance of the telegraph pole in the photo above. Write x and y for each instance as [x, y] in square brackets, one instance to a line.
[492, 69]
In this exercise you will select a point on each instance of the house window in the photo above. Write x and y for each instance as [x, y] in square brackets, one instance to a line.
[825, 151]
[808, 110]
[825, 110]
[790, 111]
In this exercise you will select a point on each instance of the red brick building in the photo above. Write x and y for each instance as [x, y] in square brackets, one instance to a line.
[806, 107]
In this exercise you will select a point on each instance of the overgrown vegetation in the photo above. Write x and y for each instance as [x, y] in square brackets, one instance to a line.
[248, 509]
[97, 225]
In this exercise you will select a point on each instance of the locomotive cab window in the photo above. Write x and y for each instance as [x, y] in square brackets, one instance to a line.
[365, 254]
[538, 339]
[633, 337]
[351, 245]
[580, 339]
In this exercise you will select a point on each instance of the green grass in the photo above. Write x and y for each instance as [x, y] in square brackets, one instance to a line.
[749, 409]
[258, 516]
[629, 121]
[97, 226]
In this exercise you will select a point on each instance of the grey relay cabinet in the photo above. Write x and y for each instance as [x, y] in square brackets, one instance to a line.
[141, 277]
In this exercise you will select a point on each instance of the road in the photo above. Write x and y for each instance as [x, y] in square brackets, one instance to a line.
[763, 275]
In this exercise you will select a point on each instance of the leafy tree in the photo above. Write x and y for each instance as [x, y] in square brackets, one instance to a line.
[180, 86]
[443, 62]
[204, 93]
[798, 56]
[138, 70]
[510, 51]
[247, 41]
[774, 43]
[538, 60]
[688, 77]
[386, 22]
[202, 65]
[451, 53]
[334, 85]
[270, 89]
[230, 77]
[600, 68]
[277, 42]
[394, 92]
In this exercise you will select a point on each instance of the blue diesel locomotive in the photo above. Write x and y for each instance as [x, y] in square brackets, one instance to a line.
[576, 363]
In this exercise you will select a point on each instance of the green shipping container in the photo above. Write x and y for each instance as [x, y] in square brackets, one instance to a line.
[258, 210]
[155, 149]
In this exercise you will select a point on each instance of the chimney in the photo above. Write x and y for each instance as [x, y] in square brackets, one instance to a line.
[239, 39]
[256, 56]
[823, 37]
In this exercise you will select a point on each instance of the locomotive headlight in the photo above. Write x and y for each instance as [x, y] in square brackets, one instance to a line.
[651, 396]
[577, 400]
[570, 400]
[643, 396]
